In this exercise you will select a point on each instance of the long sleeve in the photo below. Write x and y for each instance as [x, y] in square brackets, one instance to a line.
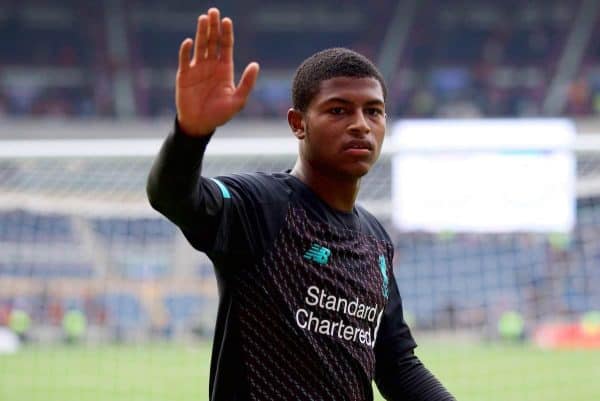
[407, 379]
[399, 374]
[229, 215]
[176, 188]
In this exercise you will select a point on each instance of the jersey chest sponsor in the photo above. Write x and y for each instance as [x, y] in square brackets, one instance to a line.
[310, 310]
[344, 281]
[308, 318]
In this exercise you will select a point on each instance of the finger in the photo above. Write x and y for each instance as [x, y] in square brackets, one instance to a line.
[247, 82]
[184, 54]
[214, 33]
[226, 40]
[201, 41]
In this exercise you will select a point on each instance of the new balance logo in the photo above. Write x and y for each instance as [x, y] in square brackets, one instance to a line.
[318, 254]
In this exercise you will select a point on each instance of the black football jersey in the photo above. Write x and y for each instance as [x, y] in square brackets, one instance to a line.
[303, 287]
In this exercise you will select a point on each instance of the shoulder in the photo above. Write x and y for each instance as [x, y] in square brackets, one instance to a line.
[262, 187]
[371, 225]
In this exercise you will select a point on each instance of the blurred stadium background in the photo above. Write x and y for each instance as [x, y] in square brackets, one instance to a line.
[109, 301]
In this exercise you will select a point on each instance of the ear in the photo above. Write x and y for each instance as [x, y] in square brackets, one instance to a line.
[296, 122]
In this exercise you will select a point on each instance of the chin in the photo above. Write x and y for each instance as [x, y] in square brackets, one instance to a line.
[357, 171]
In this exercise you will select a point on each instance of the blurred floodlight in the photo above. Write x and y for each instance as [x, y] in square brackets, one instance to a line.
[490, 175]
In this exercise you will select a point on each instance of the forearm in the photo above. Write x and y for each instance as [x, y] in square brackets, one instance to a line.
[174, 182]
[407, 379]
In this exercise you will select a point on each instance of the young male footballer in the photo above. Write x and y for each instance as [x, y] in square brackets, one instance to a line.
[309, 308]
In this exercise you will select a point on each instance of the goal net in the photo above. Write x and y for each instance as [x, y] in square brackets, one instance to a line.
[76, 232]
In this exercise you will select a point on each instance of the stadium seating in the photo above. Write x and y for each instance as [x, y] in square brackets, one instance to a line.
[464, 272]
[183, 309]
[480, 58]
[19, 225]
[460, 58]
[140, 231]
[48, 52]
[124, 311]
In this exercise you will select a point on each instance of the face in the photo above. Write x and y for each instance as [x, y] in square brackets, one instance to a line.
[342, 130]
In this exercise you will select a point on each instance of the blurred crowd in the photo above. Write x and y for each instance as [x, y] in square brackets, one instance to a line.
[459, 58]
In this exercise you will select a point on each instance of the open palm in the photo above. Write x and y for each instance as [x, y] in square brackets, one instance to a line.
[205, 93]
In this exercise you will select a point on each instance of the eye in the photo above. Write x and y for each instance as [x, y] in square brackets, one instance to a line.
[337, 111]
[374, 111]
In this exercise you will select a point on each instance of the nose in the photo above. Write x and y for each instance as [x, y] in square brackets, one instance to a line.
[359, 124]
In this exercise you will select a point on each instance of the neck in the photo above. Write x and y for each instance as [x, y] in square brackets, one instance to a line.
[337, 191]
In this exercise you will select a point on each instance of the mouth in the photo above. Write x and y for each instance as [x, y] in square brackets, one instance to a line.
[358, 147]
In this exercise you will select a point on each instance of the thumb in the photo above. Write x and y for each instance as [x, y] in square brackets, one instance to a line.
[247, 82]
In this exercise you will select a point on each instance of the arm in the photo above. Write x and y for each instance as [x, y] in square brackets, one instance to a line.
[399, 374]
[176, 188]
[407, 379]
[206, 98]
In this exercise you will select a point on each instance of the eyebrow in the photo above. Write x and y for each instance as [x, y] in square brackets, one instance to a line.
[374, 102]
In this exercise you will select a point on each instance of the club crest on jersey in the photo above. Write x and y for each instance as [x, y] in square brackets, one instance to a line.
[318, 253]
[383, 269]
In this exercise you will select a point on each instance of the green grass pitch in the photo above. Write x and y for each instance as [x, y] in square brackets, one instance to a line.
[472, 372]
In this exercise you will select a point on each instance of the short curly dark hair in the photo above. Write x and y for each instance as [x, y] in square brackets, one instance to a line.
[327, 64]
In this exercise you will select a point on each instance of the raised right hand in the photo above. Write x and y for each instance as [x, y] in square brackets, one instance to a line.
[205, 94]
